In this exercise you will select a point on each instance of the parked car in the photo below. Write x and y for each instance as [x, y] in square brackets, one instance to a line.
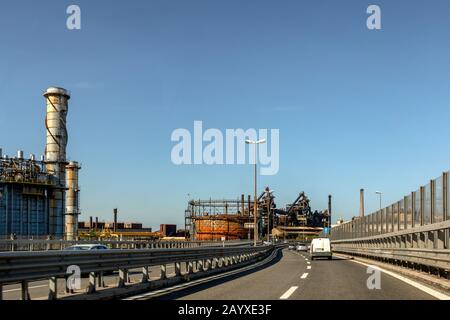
[87, 247]
[302, 247]
[291, 247]
[321, 248]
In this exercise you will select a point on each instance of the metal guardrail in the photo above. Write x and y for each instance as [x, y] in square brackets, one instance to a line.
[23, 267]
[439, 259]
[44, 245]
[424, 246]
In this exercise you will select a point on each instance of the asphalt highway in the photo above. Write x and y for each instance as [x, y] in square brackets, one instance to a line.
[293, 276]
[290, 276]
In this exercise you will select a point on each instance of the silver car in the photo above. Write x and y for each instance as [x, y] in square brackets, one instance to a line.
[87, 247]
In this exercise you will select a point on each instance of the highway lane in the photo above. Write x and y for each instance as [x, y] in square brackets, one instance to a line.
[291, 276]
[295, 277]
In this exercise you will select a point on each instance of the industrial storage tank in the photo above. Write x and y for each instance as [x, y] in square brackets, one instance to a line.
[217, 226]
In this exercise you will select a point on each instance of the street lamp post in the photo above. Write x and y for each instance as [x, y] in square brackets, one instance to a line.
[379, 193]
[255, 204]
[269, 204]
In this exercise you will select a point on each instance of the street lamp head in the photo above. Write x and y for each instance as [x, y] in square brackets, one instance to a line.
[378, 192]
[261, 141]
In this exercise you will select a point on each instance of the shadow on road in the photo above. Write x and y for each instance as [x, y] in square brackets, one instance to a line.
[207, 285]
[334, 258]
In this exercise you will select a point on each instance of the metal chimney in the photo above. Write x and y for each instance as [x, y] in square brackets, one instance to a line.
[329, 211]
[115, 219]
[361, 203]
[55, 154]
[72, 200]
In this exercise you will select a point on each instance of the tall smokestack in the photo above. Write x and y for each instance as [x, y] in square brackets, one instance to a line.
[55, 154]
[72, 200]
[90, 223]
[115, 219]
[329, 211]
[361, 203]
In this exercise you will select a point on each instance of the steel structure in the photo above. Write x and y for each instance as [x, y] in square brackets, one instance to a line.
[25, 188]
[214, 219]
[233, 219]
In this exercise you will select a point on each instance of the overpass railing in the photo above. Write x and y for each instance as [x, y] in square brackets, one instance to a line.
[413, 230]
[23, 267]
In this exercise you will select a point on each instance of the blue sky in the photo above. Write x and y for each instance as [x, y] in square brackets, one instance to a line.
[355, 108]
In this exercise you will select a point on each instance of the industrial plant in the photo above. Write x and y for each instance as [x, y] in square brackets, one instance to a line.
[40, 198]
[214, 219]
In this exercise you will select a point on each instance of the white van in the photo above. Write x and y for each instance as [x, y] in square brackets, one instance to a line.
[321, 247]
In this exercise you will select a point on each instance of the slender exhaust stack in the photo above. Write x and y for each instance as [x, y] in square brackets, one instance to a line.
[329, 212]
[55, 154]
[115, 220]
[72, 200]
[361, 203]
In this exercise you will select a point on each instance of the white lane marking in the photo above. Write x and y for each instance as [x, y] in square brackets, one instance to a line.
[288, 293]
[306, 259]
[308, 262]
[19, 289]
[308, 267]
[304, 275]
[415, 284]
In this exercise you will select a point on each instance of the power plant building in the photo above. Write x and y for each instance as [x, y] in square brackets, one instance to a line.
[40, 198]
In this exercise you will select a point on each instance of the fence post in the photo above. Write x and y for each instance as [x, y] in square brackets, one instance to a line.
[190, 267]
[177, 268]
[145, 275]
[100, 282]
[123, 277]
[52, 286]
[422, 205]
[163, 272]
[92, 283]
[25, 291]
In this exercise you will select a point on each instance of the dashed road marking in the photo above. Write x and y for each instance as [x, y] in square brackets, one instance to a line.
[288, 293]
[308, 267]
[304, 275]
